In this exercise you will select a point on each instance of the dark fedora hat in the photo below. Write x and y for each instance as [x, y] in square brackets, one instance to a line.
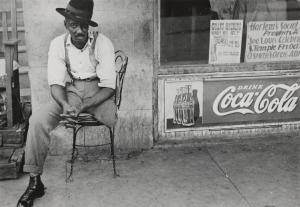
[79, 10]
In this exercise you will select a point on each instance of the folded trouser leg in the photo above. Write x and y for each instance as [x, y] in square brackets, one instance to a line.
[41, 123]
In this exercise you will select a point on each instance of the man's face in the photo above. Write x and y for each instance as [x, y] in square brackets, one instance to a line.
[77, 30]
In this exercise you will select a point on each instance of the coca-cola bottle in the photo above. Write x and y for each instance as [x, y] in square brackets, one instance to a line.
[191, 107]
[188, 112]
[175, 106]
[196, 105]
[179, 106]
[185, 106]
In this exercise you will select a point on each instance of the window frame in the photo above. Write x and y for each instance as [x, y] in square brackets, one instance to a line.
[276, 67]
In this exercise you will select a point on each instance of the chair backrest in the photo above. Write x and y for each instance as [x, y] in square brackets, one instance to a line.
[121, 61]
[8, 14]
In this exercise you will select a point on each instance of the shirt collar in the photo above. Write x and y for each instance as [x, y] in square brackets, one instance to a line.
[88, 44]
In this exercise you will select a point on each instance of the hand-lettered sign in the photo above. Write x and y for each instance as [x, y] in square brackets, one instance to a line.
[225, 41]
[273, 41]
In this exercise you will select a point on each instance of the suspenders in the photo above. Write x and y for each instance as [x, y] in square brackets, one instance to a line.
[67, 60]
[92, 57]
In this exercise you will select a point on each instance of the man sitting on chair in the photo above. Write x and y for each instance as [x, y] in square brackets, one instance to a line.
[81, 75]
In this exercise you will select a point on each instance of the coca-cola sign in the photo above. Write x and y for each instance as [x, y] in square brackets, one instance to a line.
[248, 100]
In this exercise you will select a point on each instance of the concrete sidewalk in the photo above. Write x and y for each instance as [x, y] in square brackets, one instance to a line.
[264, 174]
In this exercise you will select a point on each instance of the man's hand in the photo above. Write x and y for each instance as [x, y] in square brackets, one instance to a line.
[102, 95]
[72, 110]
[59, 94]
[86, 105]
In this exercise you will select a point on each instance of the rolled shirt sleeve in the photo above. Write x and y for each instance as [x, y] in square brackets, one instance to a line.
[104, 52]
[56, 63]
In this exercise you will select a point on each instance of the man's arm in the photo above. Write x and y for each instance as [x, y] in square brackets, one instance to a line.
[56, 74]
[102, 95]
[59, 95]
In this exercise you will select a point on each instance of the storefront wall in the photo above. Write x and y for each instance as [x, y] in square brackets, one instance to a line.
[150, 87]
[231, 100]
[129, 24]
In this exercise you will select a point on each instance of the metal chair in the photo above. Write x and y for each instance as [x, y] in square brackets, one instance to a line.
[84, 119]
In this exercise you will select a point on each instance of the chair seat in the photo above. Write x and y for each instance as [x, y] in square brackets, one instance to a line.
[83, 119]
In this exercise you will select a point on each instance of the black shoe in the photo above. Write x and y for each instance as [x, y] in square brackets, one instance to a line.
[35, 189]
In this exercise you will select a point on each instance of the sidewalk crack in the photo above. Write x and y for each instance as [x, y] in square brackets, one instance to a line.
[227, 176]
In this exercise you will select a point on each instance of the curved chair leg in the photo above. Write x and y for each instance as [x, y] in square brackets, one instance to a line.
[69, 177]
[112, 150]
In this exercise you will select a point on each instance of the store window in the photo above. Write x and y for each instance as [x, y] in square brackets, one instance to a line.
[185, 24]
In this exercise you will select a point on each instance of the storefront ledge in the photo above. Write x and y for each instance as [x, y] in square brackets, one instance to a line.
[199, 143]
[232, 131]
[271, 132]
[248, 68]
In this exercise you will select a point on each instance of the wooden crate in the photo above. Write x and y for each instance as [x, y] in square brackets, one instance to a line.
[12, 151]
[13, 137]
[11, 162]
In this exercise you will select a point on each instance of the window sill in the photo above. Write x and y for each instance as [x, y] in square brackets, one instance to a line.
[276, 67]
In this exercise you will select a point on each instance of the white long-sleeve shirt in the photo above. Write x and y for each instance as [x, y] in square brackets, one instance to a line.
[80, 64]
